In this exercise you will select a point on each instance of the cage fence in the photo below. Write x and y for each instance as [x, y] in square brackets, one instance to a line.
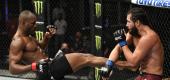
[78, 18]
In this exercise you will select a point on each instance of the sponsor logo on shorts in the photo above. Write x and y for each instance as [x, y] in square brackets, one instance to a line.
[41, 68]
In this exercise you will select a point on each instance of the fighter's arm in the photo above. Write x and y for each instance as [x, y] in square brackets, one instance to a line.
[45, 40]
[122, 63]
[143, 48]
[15, 56]
[115, 52]
[51, 30]
[110, 63]
[125, 65]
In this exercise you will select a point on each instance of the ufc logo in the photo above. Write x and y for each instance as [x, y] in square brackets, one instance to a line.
[41, 68]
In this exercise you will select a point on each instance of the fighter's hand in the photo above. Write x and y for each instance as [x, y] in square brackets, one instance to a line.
[41, 66]
[120, 37]
[51, 30]
[107, 78]
[105, 71]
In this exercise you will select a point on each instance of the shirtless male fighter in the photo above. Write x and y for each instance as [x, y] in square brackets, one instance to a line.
[148, 53]
[26, 54]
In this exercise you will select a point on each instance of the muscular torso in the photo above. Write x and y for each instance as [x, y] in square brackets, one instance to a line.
[153, 61]
[31, 52]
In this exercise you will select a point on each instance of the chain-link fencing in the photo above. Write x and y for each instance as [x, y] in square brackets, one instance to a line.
[79, 21]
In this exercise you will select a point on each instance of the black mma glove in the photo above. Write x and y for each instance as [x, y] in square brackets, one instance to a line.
[120, 37]
[41, 66]
[105, 71]
[52, 30]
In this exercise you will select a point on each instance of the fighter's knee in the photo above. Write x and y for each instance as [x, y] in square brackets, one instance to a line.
[11, 71]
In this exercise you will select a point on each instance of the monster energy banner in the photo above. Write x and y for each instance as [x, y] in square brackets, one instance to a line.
[98, 9]
[38, 6]
[155, 3]
[98, 49]
[98, 42]
[39, 35]
[98, 34]
[98, 27]
[97, 75]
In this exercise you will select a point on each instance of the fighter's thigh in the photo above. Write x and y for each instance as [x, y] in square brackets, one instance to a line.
[77, 60]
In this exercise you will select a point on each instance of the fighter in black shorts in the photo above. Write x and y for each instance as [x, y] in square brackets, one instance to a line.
[25, 48]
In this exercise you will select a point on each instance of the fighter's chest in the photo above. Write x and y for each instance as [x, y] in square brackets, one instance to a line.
[31, 45]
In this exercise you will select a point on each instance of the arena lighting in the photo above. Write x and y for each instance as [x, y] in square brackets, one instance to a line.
[155, 3]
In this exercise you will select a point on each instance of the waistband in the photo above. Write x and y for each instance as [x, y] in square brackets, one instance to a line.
[145, 73]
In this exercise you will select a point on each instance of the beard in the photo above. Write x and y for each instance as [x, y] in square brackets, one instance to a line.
[134, 32]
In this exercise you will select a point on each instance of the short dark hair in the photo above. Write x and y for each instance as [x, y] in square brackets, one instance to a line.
[139, 14]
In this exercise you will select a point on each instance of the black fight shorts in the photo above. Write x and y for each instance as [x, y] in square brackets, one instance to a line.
[60, 67]
[42, 76]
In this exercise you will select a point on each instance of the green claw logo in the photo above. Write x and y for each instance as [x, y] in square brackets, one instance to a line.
[98, 42]
[38, 6]
[39, 35]
[98, 9]
[97, 76]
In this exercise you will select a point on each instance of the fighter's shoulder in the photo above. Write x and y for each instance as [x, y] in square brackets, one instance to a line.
[18, 40]
[152, 37]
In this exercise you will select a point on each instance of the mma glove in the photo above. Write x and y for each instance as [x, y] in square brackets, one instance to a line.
[120, 37]
[105, 71]
[52, 29]
[41, 66]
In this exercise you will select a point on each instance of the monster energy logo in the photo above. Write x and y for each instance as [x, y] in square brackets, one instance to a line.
[39, 35]
[38, 7]
[98, 42]
[97, 76]
[98, 9]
